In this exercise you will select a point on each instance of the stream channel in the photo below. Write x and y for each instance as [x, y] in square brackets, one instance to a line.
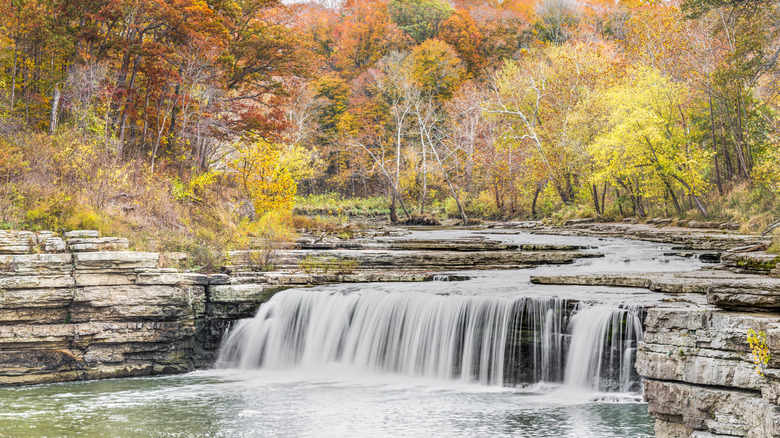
[490, 356]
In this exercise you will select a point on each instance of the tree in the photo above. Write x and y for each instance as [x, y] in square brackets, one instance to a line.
[364, 35]
[557, 19]
[420, 19]
[538, 96]
[650, 148]
[264, 176]
[461, 32]
[435, 68]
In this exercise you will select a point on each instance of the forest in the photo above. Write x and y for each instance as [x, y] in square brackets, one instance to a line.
[192, 124]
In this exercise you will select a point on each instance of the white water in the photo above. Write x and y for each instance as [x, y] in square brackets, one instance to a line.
[603, 347]
[477, 339]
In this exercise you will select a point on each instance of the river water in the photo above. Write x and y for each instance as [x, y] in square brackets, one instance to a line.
[491, 356]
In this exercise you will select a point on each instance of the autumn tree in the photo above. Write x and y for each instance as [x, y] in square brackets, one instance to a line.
[264, 176]
[435, 68]
[420, 19]
[364, 35]
[537, 97]
[650, 148]
[461, 32]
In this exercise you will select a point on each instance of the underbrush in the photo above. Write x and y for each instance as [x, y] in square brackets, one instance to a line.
[331, 204]
[72, 181]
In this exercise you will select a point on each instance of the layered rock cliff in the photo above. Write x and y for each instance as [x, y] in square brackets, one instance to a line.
[80, 312]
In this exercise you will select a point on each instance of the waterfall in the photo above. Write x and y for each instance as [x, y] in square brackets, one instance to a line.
[603, 348]
[482, 339]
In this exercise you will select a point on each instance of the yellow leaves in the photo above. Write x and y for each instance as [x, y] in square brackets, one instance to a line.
[759, 350]
[648, 138]
[436, 69]
[265, 176]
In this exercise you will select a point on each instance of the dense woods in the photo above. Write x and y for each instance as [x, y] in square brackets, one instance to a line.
[201, 116]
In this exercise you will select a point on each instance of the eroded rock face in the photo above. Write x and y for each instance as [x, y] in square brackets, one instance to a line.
[699, 377]
[71, 315]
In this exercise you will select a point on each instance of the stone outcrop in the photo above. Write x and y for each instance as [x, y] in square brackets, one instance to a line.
[697, 238]
[84, 315]
[699, 377]
[698, 373]
[418, 260]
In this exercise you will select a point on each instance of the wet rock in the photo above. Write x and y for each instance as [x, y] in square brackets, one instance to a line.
[681, 283]
[698, 239]
[755, 261]
[433, 260]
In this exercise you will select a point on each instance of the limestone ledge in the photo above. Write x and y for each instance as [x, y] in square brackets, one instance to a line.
[25, 242]
[699, 377]
[723, 288]
[689, 238]
[419, 260]
[683, 410]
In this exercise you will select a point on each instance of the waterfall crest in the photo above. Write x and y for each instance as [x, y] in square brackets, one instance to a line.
[486, 340]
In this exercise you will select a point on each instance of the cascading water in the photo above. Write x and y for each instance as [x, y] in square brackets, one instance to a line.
[488, 340]
[603, 348]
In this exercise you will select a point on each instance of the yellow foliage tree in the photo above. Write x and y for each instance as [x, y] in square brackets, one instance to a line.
[265, 176]
[649, 147]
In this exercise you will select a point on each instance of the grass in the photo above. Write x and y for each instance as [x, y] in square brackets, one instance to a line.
[331, 204]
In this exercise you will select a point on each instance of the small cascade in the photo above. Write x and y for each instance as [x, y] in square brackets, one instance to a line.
[486, 340]
[603, 349]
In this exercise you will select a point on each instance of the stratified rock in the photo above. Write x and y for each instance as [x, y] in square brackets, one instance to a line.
[426, 260]
[54, 244]
[756, 261]
[131, 303]
[16, 242]
[82, 234]
[710, 410]
[98, 244]
[699, 377]
[762, 294]
[698, 239]
[113, 261]
[571, 222]
[36, 264]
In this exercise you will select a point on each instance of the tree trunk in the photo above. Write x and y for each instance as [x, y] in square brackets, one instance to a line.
[536, 198]
[13, 79]
[393, 214]
[55, 102]
[714, 144]
[594, 191]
